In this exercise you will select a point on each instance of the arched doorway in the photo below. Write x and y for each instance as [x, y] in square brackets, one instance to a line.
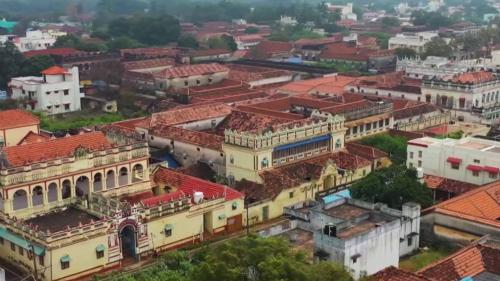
[128, 241]
[137, 173]
[330, 182]
[97, 182]
[37, 196]
[123, 177]
[52, 192]
[20, 200]
[82, 186]
[66, 189]
[110, 179]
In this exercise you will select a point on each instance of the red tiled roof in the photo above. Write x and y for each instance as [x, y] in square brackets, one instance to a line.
[32, 137]
[417, 111]
[55, 148]
[241, 121]
[15, 118]
[53, 52]
[448, 185]
[468, 262]
[330, 84]
[254, 73]
[345, 52]
[266, 49]
[129, 124]
[190, 114]
[481, 205]
[186, 186]
[209, 52]
[392, 273]
[54, 70]
[474, 77]
[151, 63]
[190, 70]
[202, 139]
[365, 151]
[342, 159]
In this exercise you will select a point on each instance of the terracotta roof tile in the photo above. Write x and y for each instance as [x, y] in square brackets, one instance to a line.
[365, 151]
[394, 274]
[468, 262]
[449, 185]
[55, 148]
[330, 84]
[185, 186]
[190, 70]
[342, 159]
[53, 52]
[190, 114]
[481, 205]
[254, 73]
[15, 118]
[473, 77]
[32, 137]
[202, 139]
[241, 121]
[55, 70]
[151, 63]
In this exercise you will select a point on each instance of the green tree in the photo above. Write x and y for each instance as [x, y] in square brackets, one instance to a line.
[188, 41]
[36, 64]
[393, 186]
[222, 42]
[405, 53]
[11, 63]
[67, 41]
[437, 47]
[123, 42]
[155, 30]
[395, 147]
[390, 21]
[251, 30]
[119, 27]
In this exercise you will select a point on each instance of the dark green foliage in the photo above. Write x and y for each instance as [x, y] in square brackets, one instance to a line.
[405, 53]
[13, 64]
[223, 42]
[245, 259]
[437, 47]
[431, 19]
[390, 21]
[394, 146]
[123, 42]
[188, 41]
[251, 30]
[393, 186]
[148, 30]
[382, 38]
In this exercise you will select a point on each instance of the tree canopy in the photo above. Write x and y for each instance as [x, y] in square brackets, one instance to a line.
[246, 259]
[405, 53]
[437, 47]
[393, 186]
[394, 146]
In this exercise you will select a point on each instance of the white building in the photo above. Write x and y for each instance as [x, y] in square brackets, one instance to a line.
[364, 237]
[57, 91]
[36, 40]
[433, 67]
[287, 20]
[472, 96]
[345, 11]
[471, 160]
[415, 41]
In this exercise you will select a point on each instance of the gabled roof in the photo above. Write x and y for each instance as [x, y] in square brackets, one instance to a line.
[31, 153]
[473, 77]
[201, 139]
[55, 70]
[185, 185]
[448, 185]
[468, 262]
[365, 151]
[190, 70]
[392, 273]
[481, 205]
[188, 114]
[15, 118]
[53, 52]
[32, 137]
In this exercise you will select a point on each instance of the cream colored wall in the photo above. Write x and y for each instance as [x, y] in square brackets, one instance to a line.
[244, 165]
[13, 257]
[83, 258]
[15, 135]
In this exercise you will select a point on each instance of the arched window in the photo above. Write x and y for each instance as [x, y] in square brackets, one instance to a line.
[338, 144]
[20, 200]
[37, 196]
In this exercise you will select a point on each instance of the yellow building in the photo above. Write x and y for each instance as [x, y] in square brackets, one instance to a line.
[15, 125]
[98, 233]
[38, 176]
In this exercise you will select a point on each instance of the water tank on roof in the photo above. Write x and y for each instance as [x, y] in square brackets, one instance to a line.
[198, 197]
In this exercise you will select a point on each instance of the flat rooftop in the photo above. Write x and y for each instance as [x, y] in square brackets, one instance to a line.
[469, 143]
[60, 220]
[346, 212]
[359, 228]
